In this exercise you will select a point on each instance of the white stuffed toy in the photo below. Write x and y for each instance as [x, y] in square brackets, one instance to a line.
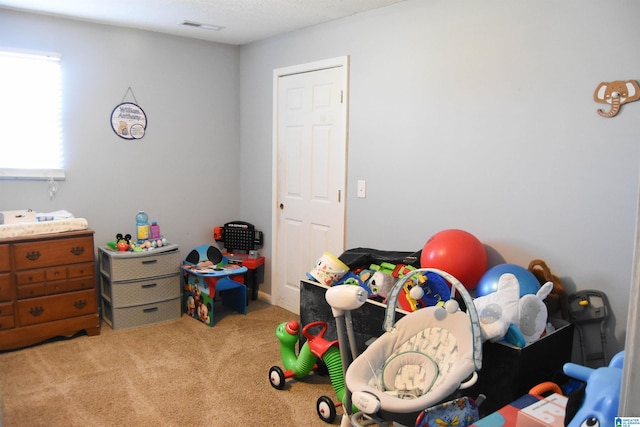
[503, 308]
[380, 284]
[532, 319]
[498, 310]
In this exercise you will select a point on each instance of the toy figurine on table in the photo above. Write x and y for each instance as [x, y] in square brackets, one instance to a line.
[206, 273]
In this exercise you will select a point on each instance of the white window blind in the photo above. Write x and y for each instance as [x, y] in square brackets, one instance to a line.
[30, 115]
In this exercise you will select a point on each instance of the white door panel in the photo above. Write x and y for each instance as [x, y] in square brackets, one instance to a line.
[310, 143]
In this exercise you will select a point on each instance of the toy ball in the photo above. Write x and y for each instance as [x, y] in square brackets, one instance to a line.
[489, 281]
[457, 252]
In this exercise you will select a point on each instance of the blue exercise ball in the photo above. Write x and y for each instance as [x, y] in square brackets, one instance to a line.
[489, 281]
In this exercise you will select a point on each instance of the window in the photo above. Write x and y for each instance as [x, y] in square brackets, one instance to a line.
[30, 115]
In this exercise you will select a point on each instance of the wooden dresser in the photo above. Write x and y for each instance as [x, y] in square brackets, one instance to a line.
[47, 288]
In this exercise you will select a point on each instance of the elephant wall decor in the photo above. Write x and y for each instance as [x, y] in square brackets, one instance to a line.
[616, 93]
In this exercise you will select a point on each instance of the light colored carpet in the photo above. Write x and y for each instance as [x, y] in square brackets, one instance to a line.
[179, 373]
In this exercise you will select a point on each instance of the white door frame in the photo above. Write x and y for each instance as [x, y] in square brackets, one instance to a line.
[630, 389]
[341, 61]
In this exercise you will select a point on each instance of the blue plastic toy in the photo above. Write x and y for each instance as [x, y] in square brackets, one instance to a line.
[602, 393]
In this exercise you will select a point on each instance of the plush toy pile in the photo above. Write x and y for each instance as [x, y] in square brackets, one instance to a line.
[515, 310]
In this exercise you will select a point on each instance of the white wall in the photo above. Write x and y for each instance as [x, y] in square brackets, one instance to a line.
[477, 115]
[185, 171]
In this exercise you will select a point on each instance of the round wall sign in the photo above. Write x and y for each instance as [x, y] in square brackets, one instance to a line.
[129, 121]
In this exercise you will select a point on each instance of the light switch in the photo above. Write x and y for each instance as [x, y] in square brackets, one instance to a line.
[362, 188]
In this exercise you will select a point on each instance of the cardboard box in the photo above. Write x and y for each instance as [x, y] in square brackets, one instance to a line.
[509, 372]
[548, 412]
[507, 415]
[528, 411]
[15, 217]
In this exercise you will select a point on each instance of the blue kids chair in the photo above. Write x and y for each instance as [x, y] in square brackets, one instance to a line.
[207, 274]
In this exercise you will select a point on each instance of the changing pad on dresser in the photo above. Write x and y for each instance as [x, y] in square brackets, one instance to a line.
[45, 227]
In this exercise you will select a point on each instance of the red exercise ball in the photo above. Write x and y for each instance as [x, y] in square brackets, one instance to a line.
[457, 252]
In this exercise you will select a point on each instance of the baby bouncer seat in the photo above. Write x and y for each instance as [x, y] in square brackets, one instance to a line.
[419, 361]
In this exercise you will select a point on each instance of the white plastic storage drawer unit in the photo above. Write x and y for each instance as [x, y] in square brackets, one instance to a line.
[140, 288]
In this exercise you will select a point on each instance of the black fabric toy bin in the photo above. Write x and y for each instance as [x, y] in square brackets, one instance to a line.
[363, 257]
[509, 372]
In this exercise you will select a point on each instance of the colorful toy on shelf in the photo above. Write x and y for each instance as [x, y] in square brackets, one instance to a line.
[395, 270]
[328, 270]
[123, 243]
[379, 278]
[380, 284]
[424, 290]
[601, 394]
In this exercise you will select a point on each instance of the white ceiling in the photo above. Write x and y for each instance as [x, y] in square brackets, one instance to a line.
[243, 21]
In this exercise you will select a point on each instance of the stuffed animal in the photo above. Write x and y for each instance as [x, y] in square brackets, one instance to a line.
[533, 313]
[501, 311]
[557, 300]
[498, 310]
[380, 284]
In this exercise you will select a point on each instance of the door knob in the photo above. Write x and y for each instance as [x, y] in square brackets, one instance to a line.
[281, 206]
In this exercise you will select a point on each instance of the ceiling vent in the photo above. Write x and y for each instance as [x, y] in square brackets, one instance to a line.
[202, 26]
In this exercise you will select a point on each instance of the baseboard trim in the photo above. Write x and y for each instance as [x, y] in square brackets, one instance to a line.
[262, 296]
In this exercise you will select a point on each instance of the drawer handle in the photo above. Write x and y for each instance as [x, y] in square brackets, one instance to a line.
[151, 261]
[80, 304]
[33, 255]
[150, 285]
[150, 310]
[77, 250]
[36, 311]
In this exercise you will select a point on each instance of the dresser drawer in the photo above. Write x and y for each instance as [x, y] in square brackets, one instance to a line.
[52, 252]
[69, 285]
[6, 309]
[5, 259]
[79, 270]
[139, 266]
[5, 287]
[140, 315]
[7, 322]
[30, 277]
[126, 294]
[55, 307]
[54, 273]
[31, 291]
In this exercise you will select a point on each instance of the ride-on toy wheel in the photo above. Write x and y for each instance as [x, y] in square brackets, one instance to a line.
[326, 409]
[277, 378]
